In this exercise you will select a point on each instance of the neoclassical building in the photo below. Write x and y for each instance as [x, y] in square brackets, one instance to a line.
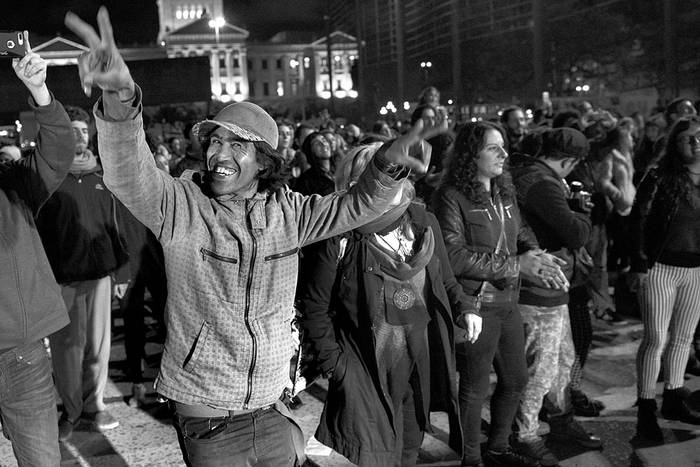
[291, 66]
[284, 72]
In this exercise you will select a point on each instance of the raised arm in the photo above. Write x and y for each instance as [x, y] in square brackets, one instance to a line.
[377, 190]
[40, 174]
[130, 171]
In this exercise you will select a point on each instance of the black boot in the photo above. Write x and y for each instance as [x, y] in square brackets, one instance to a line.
[675, 406]
[647, 426]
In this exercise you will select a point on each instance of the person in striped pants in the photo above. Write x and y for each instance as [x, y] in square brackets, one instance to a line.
[666, 267]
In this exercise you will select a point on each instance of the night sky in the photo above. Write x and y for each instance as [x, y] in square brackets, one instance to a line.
[136, 21]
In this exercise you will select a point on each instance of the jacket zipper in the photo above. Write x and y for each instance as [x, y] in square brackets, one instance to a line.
[20, 296]
[211, 254]
[281, 255]
[485, 211]
[249, 390]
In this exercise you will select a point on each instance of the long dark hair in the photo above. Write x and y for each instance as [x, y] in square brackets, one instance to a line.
[276, 172]
[462, 172]
[309, 152]
[674, 175]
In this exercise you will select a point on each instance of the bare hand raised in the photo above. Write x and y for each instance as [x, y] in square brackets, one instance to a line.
[409, 151]
[31, 70]
[103, 66]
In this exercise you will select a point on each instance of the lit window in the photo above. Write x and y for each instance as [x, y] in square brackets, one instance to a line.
[266, 88]
[326, 86]
[178, 14]
[280, 88]
[307, 62]
[186, 14]
[263, 64]
[237, 87]
[236, 63]
[193, 12]
[199, 11]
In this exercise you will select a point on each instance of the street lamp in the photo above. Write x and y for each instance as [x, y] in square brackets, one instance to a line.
[425, 67]
[217, 23]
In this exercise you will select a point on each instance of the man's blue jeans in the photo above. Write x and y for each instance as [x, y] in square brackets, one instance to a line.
[28, 405]
[263, 437]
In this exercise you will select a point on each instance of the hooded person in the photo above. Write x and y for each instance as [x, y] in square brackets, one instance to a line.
[377, 319]
[230, 238]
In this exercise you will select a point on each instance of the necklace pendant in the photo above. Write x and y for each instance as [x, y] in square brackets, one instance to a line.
[404, 298]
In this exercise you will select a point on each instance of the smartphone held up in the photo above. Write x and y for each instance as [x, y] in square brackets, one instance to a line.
[12, 44]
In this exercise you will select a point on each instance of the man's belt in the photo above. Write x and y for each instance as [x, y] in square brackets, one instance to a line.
[505, 296]
[205, 411]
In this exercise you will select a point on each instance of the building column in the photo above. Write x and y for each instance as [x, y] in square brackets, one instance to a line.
[215, 75]
[243, 62]
[229, 73]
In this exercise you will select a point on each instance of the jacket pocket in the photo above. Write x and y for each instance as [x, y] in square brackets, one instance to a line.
[479, 216]
[208, 255]
[197, 347]
[284, 254]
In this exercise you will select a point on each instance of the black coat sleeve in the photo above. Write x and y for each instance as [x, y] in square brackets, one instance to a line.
[638, 221]
[459, 302]
[546, 201]
[316, 285]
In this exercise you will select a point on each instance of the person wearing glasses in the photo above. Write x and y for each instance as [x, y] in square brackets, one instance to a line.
[666, 267]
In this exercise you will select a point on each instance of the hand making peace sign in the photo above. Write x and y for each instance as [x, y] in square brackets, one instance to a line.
[103, 66]
[410, 151]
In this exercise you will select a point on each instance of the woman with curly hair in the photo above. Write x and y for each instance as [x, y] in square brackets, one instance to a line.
[666, 263]
[489, 248]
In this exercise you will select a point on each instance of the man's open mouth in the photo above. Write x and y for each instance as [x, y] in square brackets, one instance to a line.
[224, 171]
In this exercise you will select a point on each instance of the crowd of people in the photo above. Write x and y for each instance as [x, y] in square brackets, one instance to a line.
[403, 264]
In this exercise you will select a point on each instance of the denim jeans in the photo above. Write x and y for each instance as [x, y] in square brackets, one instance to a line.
[502, 343]
[263, 437]
[28, 405]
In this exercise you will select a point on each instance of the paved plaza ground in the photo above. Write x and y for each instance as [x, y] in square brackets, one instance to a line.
[145, 436]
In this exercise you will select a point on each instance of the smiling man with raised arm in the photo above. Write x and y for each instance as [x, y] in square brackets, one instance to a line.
[230, 239]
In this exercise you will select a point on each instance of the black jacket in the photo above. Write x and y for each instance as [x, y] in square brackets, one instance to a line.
[79, 226]
[651, 216]
[544, 205]
[357, 418]
[471, 234]
[314, 182]
[31, 306]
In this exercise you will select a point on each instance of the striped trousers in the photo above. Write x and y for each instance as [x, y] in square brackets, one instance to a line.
[670, 312]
